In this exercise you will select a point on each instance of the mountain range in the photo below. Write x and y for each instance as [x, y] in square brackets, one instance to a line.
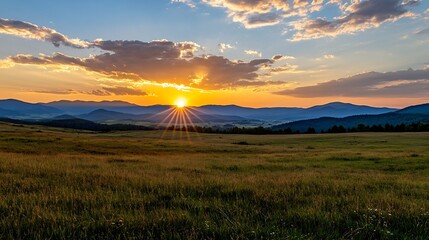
[409, 115]
[320, 117]
[119, 110]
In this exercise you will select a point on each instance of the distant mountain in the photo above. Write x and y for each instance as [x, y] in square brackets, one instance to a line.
[118, 110]
[84, 107]
[417, 109]
[24, 109]
[335, 109]
[267, 114]
[339, 109]
[102, 115]
[409, 115]
[319, 117]
[64, 117]
[79, 124]
[8, 113]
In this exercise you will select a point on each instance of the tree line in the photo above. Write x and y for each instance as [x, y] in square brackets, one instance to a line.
[414, 127]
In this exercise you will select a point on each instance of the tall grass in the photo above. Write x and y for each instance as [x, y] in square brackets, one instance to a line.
[57, 184]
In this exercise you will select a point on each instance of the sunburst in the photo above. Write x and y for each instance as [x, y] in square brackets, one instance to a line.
[179, 119]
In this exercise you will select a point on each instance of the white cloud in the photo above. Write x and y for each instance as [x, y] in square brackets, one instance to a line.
[354, 15]
[253, 52]
[224, 46]
[409, 84]
[326, 57]
[190, 3]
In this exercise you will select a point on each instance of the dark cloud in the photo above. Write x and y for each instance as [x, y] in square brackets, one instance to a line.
[280, 57]
[120, 91]
[260, 13]
[422, 32]
[104, 91]
[356, 15]
[29, 30]
[362, 15]
[124, 91]
[159, 61]
[59, 92]
[260, 20]
[409, 83]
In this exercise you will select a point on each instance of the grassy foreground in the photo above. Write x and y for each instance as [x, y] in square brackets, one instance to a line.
[58, 184]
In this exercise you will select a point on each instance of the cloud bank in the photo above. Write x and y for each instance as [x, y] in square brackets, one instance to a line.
[32, 31]
[359, 16]
[409, 83]
[159, 61]
[355, 15]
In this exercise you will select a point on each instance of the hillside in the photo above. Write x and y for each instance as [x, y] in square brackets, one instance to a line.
[20, 108]
[409, 115]
[79, 124]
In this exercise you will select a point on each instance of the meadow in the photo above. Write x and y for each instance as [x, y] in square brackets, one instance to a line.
[65, 184]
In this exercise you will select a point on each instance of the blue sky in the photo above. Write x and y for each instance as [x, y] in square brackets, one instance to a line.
[371, 35]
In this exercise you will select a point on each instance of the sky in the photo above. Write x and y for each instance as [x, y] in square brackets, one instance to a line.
[255, 53]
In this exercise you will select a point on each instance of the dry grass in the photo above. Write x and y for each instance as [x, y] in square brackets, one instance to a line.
[58, 184]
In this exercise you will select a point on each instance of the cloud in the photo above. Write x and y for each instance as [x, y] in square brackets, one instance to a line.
[190, 3]
[58, 92]
[31, 31]
[409, 83]
[280, 57]
[104, 91]
[124, 91]
[423, 31]
[258, 20]
[326, 57]
[254, 13]
[353, 15]
[158, 61]
[120, 91]
[361, 15]
[224, 46]
[253, 52]
[287, 68]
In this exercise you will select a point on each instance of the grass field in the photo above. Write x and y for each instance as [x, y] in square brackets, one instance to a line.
[60, 184]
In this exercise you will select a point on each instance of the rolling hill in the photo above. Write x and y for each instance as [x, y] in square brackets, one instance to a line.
[84, 107]
[335, 109]
[119, 110]
[409, 115]
[102, 115]
[23, 109]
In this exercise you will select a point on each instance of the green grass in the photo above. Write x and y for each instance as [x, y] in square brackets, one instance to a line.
[62, 184]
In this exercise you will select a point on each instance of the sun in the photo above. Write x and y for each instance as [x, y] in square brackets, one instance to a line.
[180, 102]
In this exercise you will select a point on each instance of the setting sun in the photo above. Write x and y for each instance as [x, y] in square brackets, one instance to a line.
[180, 103]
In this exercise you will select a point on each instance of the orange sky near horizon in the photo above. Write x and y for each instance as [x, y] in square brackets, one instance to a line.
[44, 79]
[140, 53]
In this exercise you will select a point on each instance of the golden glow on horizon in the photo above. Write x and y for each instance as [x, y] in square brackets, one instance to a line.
[179, 119]
[14, 86]
[180, 102]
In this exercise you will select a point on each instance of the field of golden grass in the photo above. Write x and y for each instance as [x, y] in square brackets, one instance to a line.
[63, 184]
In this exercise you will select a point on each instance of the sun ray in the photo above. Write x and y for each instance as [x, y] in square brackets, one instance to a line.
[169, 122]
[185, 124]
[192, 124]
[166, 118]
[165, 111]
[175, 124]
[195, 115]
[180, 118]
